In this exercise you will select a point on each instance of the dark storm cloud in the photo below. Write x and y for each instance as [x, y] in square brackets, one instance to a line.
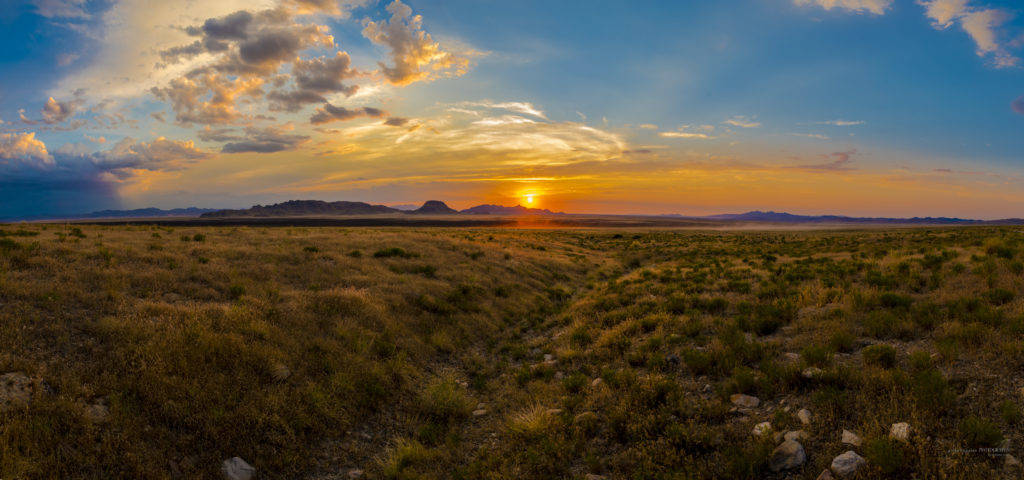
[265, 140]
[329, 113]
[396, 121]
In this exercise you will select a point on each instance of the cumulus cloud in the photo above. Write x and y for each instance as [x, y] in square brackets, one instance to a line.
[188, 97]
[415, 55]
[396, 122]
[315, 78]
[1018, 105]
[981, 24]
[160, 154]
[57, 112]
[265, 140]
[877, 7]
[330, 113]
[25, 148]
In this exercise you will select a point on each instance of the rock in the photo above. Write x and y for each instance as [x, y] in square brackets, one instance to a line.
[707, 388]
[97, 413]
[850, 438]
[790, 356]
[741, 400]
[778, 437]
[355, 473]
[479, 412]
[548, 357]
[1011, 461]
[788, 455]
[481, 405]
[796, 435]
[16, 390]
[812, 372]
[804, 415]
[900, 431]
[554, 411]
[592, 476]
[237, 469]
[596, 382]
[280, 372]
[673, 360]
[559, 375]
[761, 429]
[825, 474]
[846, 464]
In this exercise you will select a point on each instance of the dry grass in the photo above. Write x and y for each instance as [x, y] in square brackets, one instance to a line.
[309, 351]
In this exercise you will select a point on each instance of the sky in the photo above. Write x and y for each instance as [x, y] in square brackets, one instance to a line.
[853, 107]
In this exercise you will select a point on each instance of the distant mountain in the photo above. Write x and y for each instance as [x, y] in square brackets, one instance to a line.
[782, 217]
[294, 208]
[435, 207]
[500, 210]
[405, 207]
[137, 213]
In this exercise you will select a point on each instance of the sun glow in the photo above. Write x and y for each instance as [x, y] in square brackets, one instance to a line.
[529, 199]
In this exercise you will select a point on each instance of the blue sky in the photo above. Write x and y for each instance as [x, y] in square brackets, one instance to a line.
[860, 107]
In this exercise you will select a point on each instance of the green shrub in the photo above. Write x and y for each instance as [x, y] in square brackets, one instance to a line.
[1010, 412]
[444, 401]
[310, 249]
[881, 355]
[885, 454]
[1000, 296]
[236, 291]
[817, 355]
[198, 237]
[931, 391]
[394, 252]
[978, 432]
[895, 301]
[842, 341]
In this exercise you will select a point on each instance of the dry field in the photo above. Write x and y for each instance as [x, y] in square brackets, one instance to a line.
[335, 353]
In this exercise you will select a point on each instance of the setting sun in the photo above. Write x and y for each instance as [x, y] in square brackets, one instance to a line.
[529, 199]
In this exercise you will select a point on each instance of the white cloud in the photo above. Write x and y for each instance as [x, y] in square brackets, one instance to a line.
[526, 108]
[841, 123]
[702, 136]
[742, 122]
[981, 24]
[877, 7]
[25, 148]
[61, 8]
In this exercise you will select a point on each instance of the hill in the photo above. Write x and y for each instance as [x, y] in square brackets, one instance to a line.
[293, 208]
[501, 210]
[435, 207]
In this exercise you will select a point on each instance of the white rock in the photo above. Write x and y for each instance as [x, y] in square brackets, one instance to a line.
[479, 412]
[762, 428]
[237, 469]
[596, 382]
[548, 357]
[850, 438]
[585, 417]
[15, 390]
[790, 356]
[846, 464]
[788, 455]
[900, 431]
[1011, 461]
[97, 413]
[825, 474]
[355, 473]
[741, 400]
[796, 435]
[804, 415]
[812, 372]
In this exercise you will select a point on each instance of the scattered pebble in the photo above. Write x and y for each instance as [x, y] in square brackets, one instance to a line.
[850, 438]
[479, 412]
[848, 463]
[742, 400]
[596, 382]
[796, 435]
[812, 372]
[900, 431]
[237, 469]
[786, 456]
[825, 474]
[762, 428]
[355, 473]
[804, 415]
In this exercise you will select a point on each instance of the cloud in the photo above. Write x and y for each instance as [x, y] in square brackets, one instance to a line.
[57, 112]
[265, 140]
[981, 24]
[65, 59]
[25, 148]
[99, 140]
[648, 126]
[188, 97]
[396, 121]
[160, 154]
[1018, 105]
[219, 135]
[841, 123]
[329, 113]
[877, 7]
[743, 122]
[525, 108]
[74, 9]
[810, 135]
[840, 164]
[315, 78]
[415, 55]
[702, 136]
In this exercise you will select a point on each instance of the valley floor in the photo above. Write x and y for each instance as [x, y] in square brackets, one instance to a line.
[160, 351]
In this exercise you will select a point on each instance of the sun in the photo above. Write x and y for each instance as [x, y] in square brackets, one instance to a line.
[529, 199]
